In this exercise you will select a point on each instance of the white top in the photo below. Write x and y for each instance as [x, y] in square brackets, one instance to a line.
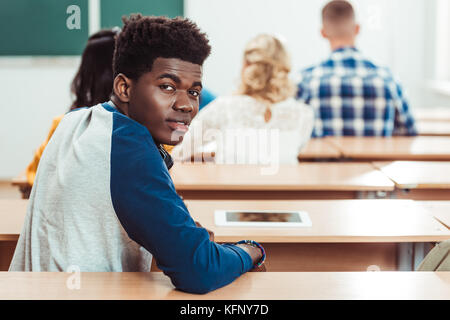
[234, 128]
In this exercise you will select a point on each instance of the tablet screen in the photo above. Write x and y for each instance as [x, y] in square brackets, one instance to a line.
[262, 218]
[240, 216]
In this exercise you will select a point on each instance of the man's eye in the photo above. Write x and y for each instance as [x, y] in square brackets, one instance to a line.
[194, 93]
[167, 87]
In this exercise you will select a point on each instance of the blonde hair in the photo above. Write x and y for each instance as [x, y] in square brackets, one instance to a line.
[265, 71]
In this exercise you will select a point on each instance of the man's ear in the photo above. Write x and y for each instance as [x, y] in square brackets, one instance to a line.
[122, 87]
[323, 33]
[357, 29]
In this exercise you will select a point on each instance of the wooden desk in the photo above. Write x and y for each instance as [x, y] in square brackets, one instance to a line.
[346, 235]
[433, 128]
[432, 114]
[333, 221]
[395, 148]
[20, 180]
[419, 180]
[319, 149]
[12, 215]
[302, 181]
[440, 210]
[21, 183]
[250, 286]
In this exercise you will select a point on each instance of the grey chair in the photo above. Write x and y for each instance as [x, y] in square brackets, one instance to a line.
[438, 259]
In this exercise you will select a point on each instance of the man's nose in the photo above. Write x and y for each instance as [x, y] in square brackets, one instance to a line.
[183, 104]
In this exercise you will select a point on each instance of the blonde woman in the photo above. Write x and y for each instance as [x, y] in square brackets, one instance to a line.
[260, 124]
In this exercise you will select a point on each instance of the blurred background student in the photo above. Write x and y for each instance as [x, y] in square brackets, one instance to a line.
[351, 95]
[91, 85]
[260, 121]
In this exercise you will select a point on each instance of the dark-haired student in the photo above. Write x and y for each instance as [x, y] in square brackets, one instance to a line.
[103, 199]
[91, 85]
[350, 95]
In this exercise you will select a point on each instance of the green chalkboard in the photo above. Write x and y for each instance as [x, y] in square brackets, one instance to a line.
[52, 27]
[39, 27]
[113, 10]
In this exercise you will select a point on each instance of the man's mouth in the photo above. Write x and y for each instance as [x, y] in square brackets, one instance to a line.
[178, 125]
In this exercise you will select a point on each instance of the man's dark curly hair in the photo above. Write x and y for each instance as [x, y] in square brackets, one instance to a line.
[143, 39]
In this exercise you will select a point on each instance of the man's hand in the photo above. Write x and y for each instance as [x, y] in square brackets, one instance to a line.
[259, 269]
[211, 234]
[255, 254]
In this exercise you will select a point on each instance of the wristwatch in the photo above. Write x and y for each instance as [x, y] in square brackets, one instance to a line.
[256, 245]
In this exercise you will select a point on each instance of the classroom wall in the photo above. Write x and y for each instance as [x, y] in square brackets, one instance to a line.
[397, 33]
[393, 33]
[33, 92]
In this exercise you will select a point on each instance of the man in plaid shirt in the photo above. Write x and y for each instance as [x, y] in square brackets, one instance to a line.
[350, 95]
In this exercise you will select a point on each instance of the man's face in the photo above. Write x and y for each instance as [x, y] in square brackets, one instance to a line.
[166, 99]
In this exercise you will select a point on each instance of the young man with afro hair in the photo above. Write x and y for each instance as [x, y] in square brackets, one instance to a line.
[103, 199]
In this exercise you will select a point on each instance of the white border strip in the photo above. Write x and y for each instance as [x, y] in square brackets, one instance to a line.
[442, 71]
[15, 62]
[94, 16]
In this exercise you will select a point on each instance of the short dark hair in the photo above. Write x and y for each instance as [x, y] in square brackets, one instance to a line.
[93, 81]
[337, 11]
[143, 39]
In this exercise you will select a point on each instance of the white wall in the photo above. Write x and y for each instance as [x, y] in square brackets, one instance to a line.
[33, 92]
[396, 33]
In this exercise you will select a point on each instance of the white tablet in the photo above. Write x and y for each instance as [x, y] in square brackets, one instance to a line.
[279, 218]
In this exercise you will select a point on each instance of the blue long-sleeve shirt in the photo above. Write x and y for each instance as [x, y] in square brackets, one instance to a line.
[103, 200]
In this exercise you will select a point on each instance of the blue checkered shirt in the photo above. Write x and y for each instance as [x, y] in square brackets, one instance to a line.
[351, 96]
